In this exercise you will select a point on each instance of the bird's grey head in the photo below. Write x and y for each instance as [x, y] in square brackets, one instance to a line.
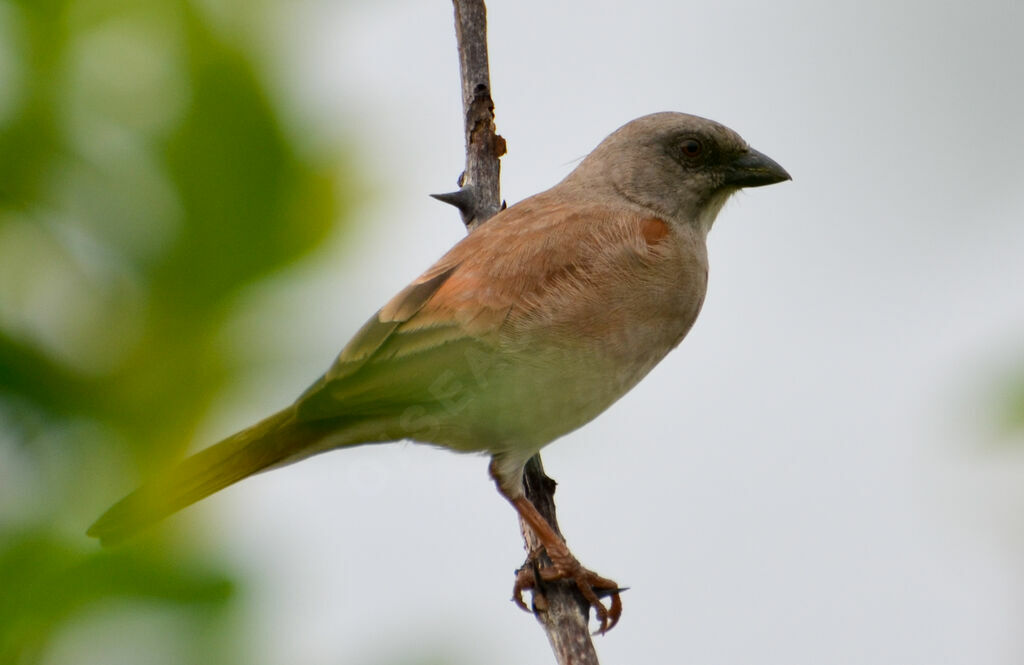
[680, 166]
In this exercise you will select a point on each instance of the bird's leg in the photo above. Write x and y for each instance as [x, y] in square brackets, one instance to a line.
[564, 566]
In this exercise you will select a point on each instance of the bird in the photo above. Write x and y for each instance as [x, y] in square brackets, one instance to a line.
[531, 326]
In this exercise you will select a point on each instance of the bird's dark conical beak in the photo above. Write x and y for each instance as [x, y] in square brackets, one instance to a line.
[755, 169]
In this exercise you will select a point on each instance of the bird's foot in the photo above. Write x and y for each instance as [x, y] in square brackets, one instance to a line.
[564, 566]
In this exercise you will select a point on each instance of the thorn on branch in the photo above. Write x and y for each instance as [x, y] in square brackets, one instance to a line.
[464, 199]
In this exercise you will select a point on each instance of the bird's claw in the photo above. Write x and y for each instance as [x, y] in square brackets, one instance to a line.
[591, 585]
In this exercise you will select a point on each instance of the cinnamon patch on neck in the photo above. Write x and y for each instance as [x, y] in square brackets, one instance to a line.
[653, 230]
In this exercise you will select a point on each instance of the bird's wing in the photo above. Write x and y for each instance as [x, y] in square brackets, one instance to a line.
[514, 269]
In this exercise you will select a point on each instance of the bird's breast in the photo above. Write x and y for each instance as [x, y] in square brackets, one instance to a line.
[594, 340]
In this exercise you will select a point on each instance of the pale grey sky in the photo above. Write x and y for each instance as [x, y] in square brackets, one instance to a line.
[807, 479]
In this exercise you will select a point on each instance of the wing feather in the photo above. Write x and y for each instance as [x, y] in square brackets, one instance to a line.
[537, 256]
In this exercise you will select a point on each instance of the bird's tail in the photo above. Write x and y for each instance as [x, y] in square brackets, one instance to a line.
[269, 442]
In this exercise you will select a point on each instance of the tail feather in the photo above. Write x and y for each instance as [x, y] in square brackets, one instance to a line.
[265, 444]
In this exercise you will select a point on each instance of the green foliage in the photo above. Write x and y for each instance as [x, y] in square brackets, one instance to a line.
[47, 582]
[146, 178]
[1012, 404]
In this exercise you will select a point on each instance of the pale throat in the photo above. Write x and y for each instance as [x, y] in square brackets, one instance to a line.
[709, 211]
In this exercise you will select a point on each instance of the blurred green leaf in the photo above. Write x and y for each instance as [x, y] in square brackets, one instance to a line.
[146, 181]
[46, 581]
[1012, 404]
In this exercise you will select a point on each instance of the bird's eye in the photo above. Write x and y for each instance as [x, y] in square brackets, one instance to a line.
[691, 148]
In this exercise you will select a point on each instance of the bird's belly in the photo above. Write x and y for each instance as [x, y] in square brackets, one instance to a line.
[524, 400]
[524, 405]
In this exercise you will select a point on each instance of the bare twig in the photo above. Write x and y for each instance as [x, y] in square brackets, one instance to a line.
[479, 194]
[559, 606]
[561, 609]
